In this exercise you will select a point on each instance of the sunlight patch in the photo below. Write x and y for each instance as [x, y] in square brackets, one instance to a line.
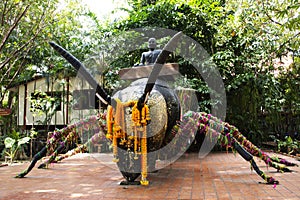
[40, 191]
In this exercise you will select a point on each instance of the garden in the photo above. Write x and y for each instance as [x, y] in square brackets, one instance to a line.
[255, 46]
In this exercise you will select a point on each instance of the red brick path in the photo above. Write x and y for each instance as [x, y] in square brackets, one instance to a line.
[218, 176]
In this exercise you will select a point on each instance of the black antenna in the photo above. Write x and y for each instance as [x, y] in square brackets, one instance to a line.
[100, 93]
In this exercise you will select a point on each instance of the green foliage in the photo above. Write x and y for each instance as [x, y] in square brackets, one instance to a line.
[175, 15]
[26, 28]
[201, 90]
[22, 24]
[13, 144]
[78, 33]
[244, 39]
[44, 105]
[33, 133]
[288, 145]
[290, 82]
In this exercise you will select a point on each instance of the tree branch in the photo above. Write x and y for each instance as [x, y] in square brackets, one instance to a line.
[269, 17]
[3, 13]
[15, 75]
[27, 44]
[291, 38]
[16, 52]
[18, 18]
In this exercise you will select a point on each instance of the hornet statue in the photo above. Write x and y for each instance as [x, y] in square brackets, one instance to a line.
[143, 118]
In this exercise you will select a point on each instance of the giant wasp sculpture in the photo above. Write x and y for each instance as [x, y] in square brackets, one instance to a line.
[144, 118]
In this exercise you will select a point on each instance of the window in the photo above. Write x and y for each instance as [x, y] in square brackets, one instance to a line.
[85, 99]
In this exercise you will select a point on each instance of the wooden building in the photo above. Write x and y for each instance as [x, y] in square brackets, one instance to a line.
[49, 101]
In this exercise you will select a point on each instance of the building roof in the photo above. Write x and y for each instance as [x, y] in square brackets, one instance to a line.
[15, 85]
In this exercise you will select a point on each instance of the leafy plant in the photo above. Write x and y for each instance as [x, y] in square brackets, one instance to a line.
[33, 135]
[289, 145]
[13, 146]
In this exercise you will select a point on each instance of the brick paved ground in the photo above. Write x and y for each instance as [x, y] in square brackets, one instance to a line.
[218, 176]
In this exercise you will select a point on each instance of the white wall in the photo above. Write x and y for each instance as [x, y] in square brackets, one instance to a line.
[59, 117]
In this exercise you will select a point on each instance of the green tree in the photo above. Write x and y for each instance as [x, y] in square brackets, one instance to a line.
[250, 39]
[244, 38]
[26, 28]
[22, 23]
